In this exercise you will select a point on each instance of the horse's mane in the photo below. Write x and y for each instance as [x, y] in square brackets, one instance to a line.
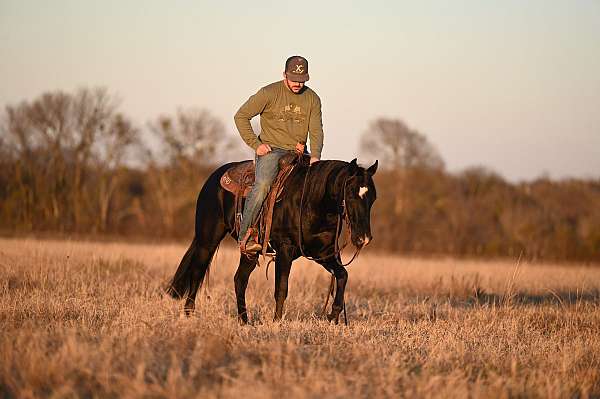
[322, 177]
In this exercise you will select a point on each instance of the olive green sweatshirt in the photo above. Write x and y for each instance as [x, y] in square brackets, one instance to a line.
[285, 118]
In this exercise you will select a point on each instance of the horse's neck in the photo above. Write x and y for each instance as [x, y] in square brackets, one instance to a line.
[330, 180]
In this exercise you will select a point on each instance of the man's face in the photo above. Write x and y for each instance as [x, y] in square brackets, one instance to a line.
[295, 87]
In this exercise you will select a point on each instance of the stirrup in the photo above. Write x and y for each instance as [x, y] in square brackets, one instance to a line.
[270, 251]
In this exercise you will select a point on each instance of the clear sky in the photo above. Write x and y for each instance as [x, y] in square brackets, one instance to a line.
[512, 85]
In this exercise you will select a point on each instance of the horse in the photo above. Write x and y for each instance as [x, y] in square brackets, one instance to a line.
[306, 222]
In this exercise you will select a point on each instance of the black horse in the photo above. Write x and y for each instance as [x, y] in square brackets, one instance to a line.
[317, 196]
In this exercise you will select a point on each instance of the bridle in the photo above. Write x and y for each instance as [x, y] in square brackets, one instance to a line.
[342, 215]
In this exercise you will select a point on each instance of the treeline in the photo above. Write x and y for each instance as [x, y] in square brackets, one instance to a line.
[71, 163]
[477, 213]
[424, 210]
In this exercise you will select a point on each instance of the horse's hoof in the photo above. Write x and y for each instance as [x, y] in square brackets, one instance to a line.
[277, 318]
[188, 311]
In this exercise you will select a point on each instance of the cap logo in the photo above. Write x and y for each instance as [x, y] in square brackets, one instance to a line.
[299, 68]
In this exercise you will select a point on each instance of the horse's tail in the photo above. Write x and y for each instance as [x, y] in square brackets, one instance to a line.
[211, 228]
[180, 285]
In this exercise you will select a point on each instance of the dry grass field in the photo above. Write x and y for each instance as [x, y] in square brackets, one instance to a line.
[89, 320]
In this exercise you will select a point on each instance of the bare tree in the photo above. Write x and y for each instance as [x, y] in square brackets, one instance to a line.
[400, 149]
[188, 143]
[191, 136]
[56, 139]
[398, 146]
[118, 135]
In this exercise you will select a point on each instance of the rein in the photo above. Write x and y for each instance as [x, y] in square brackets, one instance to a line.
[338, 231]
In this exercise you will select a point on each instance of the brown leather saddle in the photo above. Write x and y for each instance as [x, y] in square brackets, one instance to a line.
[239, 180]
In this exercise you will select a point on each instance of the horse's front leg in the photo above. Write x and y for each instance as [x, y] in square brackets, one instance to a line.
[283, 265]
[246, 266]
[341, 278]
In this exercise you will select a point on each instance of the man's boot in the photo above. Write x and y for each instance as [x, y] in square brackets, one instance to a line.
[252, 246]
[249, 244]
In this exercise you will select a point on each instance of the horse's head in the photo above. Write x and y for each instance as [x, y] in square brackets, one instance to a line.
[359, 195]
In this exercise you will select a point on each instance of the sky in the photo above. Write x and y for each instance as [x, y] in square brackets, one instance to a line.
[511, 85]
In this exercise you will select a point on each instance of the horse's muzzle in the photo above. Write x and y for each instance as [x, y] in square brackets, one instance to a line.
[364, 241]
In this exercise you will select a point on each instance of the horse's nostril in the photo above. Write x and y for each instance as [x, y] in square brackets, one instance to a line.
[363, 241]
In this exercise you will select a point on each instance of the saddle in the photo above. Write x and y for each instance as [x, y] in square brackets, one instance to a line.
[239, 180]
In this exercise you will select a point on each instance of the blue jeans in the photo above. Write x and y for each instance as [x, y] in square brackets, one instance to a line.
[267, 167]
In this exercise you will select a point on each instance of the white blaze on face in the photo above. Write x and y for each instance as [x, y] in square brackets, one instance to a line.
[362, 191]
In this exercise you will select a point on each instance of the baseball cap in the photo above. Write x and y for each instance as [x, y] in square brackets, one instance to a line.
[296, 69]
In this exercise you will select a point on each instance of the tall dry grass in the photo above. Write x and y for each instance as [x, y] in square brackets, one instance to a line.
[84, 319]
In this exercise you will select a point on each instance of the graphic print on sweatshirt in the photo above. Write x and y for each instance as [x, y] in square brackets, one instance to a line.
[291, 112]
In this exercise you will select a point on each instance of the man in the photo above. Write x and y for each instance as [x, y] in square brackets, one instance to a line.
[288, 111]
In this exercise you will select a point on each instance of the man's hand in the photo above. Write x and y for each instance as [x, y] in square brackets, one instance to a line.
[263, 149]
[300, 148]
[313, 160]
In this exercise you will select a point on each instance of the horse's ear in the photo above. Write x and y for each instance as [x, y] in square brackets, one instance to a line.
[373, 168]
[353, 167]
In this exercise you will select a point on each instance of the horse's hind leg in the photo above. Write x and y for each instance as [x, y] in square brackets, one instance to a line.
[247, 265]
